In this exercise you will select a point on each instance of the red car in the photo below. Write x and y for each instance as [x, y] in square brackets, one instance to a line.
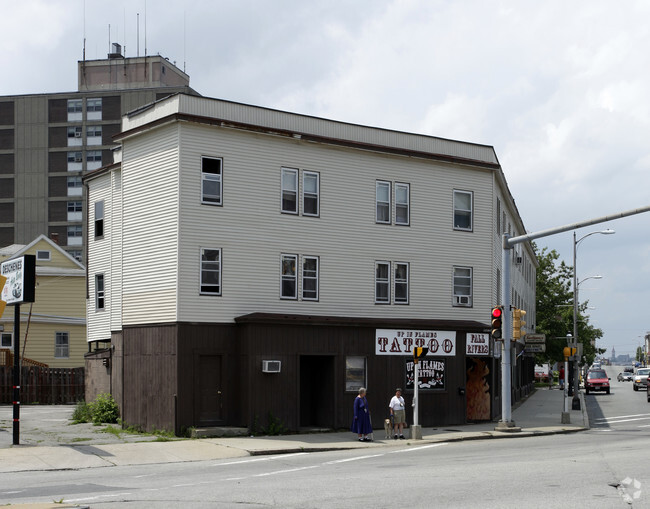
[596, 381]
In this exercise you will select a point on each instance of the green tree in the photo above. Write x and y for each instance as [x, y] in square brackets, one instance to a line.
[554, 310]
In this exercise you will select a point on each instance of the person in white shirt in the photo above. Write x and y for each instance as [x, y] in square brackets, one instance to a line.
[398, 414]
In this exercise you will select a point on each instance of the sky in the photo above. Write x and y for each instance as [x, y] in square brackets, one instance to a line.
[559, 89]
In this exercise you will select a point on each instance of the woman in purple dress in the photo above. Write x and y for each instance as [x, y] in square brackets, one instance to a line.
[361, 424]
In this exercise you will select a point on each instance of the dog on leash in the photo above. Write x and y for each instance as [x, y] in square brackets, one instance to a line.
[388, 427]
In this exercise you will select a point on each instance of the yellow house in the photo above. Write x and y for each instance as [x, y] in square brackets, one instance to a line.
[53, 328]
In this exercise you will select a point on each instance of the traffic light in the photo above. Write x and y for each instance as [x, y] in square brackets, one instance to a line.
[517, 323]
[497, 323]
[418, 352]
[3, 280]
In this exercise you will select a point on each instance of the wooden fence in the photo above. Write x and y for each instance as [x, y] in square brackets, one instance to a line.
[45, 386]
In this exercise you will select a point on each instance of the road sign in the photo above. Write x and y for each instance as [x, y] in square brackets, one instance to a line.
[537, 339]
[535, 348]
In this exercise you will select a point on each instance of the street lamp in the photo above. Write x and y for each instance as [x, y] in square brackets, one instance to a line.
[576, 373]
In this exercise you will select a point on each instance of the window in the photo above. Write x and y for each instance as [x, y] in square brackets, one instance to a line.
[382, 198]
[61, 345]
[94, 130]
[462, 286]
[76, 254]
[462, 210]
[498, 214]
[74, 211]
[74, 182]
[310, 193]
[94, 105]
[210, 272]
[289, 191]
[211, 180]
[100, 302]
[289, 287]
[310, 278]
[43, 256]
[6, 340]
[382, 282]
[75, 105]
[75, 157]
[94, 155]
[74, 231]
[401, 283]
[402, 215]
[75, 131]
[355, 373]
[99, 218]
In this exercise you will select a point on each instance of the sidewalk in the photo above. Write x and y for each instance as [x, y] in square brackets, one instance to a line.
[539, 414]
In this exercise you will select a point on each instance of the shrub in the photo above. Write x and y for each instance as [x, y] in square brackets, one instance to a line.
[104, 409]
[81, 413]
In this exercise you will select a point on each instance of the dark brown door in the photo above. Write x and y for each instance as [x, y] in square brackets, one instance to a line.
[208, 390]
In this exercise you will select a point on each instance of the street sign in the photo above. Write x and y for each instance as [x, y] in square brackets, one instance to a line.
[535, 339]
[535, 348]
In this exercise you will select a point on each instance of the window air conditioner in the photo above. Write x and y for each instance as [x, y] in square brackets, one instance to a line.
[462, 299]
[271, 366]
[77, 159]
[77, 134]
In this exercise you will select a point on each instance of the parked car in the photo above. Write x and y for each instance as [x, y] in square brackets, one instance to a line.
[640, 378]
[625, 377]
[628, 369]
[596, 381]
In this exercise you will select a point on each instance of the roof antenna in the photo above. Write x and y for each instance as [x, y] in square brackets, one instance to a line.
[145, 28]
[184, 36]
[138, 33]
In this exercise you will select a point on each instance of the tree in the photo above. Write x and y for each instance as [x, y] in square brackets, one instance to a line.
[554, 310]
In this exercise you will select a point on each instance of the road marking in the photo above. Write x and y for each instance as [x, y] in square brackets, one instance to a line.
[265, 458]
[352, 459]
[621, 417]
[419, 448]
[287, 471]
[620, 421]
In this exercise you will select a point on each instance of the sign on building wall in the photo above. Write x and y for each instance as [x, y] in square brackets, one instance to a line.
[21, 279]
[431, 374]
[402, 342]
[478, 345]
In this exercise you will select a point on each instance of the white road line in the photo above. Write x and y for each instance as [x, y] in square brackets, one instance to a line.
[265, 458]
[353, 459]
[287, 471]
[621, 417]
[621, 420]
[419, 448]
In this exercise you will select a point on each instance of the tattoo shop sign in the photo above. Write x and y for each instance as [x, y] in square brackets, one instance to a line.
[402, 342]
[431, 374]
[478, 345]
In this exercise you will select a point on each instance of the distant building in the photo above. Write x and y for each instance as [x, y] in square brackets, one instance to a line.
[245, 262]
[48, 140]
[613, 354]
[53, 329]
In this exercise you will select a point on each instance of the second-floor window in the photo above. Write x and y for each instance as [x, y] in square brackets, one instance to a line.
[402, 205]
[61, 345]
[398, 291]
[211, 180]
[310, 278]
[401, 283]
[463, 213]
[289, 277]
[310, 193]
[210, 271]
[382, 200]
[462, 286]
[382, 282]
[100, 294]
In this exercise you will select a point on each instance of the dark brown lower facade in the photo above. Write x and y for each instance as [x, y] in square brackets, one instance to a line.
[298, 372]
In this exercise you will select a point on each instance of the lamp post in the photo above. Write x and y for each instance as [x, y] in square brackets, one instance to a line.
[576, 373]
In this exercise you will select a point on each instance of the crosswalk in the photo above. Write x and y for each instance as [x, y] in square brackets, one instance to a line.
[635, 420]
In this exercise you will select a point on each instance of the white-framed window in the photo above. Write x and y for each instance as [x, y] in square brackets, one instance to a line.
[94, 108]
[75, 187]
[75, 105]
[310, 277]
[61, 345]
[94, 155]
[463, 212]
[310, 193]
[211, 180]
[94, 131]
[289, 277]
[43, 255]
[382, 200]
[401, 283]
[99, 218]
[75, 131]
[289, 191]
[75, 157]
[462, 286]
[355, 373]
[100, 293]
[210, 271]
[382, 282]
[402, 204]
[75, 235]
[6, 340]
[75, 209]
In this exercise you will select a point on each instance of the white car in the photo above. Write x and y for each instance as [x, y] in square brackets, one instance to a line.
[640, 379]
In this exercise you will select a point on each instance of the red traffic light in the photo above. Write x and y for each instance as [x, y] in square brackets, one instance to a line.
[496, 313]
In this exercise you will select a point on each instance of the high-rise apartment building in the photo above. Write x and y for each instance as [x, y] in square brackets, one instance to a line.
[47, 141]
